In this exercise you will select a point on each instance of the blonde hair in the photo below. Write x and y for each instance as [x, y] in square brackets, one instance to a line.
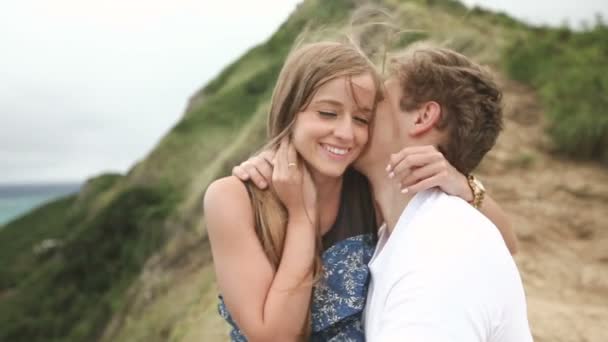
[306, 69]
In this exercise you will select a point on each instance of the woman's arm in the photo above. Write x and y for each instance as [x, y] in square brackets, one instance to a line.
[422, 167]
[266, 305]
[494, 212]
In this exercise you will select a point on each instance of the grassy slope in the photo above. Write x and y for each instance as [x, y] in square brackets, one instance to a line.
[99, 255]
[185, 307]
[112, 229]
[571, 73]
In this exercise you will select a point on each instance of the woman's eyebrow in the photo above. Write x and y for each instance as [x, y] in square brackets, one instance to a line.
[329, 101]
[332, 102]
[364, 109]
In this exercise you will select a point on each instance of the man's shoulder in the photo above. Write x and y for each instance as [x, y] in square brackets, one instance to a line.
[443, 211]
[452, 204]
[449, 225]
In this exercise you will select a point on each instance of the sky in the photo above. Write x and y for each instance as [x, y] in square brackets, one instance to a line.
[548, 12]
[91, 86]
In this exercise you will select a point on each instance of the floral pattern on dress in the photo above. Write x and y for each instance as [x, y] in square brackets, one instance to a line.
[338, 297]
[235, 333]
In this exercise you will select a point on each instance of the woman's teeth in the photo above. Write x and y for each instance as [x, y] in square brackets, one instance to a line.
[335, 150]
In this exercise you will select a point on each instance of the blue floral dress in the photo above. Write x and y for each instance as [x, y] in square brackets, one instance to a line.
[339, 297]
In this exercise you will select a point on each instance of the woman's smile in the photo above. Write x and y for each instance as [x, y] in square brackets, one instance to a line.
[335, 152]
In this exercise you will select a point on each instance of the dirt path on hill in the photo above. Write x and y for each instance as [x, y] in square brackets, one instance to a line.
[559, 209]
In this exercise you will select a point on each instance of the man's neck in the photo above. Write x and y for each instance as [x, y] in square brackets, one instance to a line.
[387, 194]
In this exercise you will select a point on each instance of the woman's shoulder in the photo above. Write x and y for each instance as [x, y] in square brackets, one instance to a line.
[226, 189]
[226, 198]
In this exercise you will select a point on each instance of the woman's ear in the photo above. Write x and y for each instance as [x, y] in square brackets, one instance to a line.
[427, 116]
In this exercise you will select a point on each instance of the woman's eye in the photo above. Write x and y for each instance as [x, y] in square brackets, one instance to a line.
[362, 120]
[327, 114]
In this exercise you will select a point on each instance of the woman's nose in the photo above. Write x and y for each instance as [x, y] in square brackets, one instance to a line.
[344, 128]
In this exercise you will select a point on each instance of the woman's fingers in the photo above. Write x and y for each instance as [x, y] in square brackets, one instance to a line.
[413, 161]
[418, 168]
[260, 171]
[259, 161]
[309, 194]
[292, 157]
[256, 168]
[257, 174]
[407, 164]
[268, 155]
[280, 159]
[240, 173]
[420, 174]
[287, 180]
[407, 151]
[423, 185]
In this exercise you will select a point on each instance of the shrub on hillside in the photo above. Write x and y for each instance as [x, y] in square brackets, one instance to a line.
[570, 70]
[71, 296]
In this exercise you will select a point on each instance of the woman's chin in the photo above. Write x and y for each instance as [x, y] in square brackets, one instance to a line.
[331, 171]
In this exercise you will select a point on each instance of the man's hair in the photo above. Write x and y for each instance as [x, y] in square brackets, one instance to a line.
[471, 109]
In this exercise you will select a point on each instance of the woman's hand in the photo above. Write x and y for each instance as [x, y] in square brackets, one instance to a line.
[418, 168]
[293, 184]
[258, 169]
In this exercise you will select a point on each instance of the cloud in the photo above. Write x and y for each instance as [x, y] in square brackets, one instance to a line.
[92, 86]
[89, 86]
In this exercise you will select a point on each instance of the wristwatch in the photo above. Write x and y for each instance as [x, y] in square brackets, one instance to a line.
[478, 191]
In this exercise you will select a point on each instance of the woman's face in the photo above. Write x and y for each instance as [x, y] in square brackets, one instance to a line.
[333, 129]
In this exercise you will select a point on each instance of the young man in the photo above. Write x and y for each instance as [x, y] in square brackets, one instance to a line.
[441, 271]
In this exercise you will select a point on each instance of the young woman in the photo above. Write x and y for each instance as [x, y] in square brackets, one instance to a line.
[288, 268]
[267, 245]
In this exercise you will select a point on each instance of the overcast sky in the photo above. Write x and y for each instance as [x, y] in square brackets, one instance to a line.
[88, 86]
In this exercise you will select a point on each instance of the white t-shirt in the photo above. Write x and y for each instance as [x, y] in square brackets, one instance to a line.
[444, 275]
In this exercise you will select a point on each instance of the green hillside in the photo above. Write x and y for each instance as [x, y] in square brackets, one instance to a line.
[124, 246]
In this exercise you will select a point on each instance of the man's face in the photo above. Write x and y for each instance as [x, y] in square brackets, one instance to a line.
[390, 129]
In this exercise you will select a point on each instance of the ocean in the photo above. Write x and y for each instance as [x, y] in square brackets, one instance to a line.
[16, 200]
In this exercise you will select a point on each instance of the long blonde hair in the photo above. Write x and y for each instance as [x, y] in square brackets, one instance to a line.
[307, 69]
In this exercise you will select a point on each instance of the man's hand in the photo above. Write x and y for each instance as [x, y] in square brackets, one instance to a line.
[419, 168]
[257, 168]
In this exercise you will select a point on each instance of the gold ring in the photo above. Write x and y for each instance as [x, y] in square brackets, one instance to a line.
[291, 164]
